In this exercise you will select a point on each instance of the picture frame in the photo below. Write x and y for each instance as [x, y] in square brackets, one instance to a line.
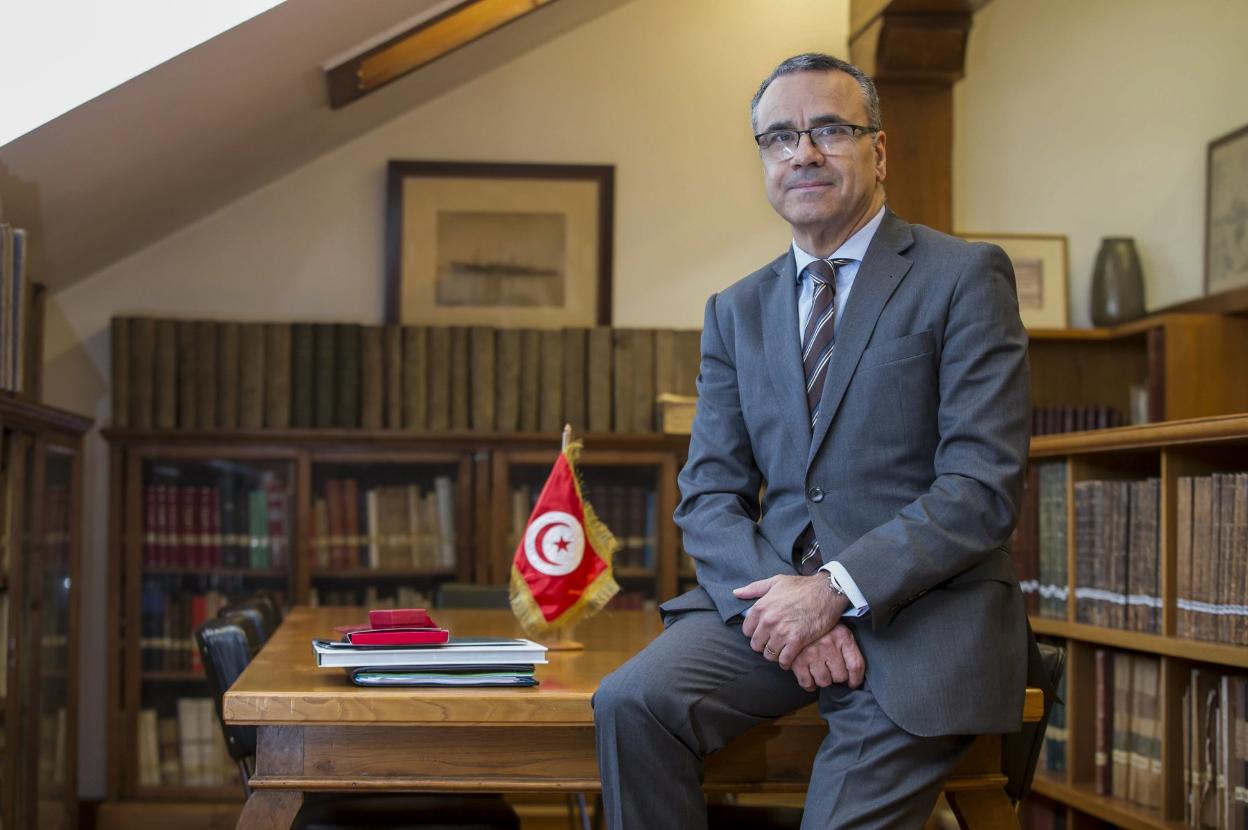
[499, 244]
[1226, 213]
[1041, 277]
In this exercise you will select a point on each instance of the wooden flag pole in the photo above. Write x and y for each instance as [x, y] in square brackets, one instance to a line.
[563, 636]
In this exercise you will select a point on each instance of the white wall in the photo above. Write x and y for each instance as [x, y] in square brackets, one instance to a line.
[657, 88]
[1091, 119]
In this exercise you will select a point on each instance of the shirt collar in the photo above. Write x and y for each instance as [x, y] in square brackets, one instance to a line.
[854, 248]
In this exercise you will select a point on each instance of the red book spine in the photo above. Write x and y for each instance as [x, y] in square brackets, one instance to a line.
[400, 618]
[150, 536]
[164, 530]
[214, 527]
[189, 547]
[203, 526]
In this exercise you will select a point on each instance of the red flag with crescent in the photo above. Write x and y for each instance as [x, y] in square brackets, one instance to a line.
[562, 568]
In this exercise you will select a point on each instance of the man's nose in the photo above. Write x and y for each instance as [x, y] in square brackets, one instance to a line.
[806, 152]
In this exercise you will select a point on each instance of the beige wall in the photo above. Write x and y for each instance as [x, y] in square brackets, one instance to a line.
[658, 88]
[1091, 119]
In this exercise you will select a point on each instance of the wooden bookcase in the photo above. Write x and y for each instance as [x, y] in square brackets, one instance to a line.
[40, 567]
[1166, 451]
[1191, 365]
[472, 474]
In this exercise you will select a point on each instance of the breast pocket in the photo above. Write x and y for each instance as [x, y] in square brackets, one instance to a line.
[899, 348]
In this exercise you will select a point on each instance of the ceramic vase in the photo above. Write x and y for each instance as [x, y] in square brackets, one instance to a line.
[1117, 282]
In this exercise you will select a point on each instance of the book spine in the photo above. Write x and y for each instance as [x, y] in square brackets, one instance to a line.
[439, 362]
[507, 376]
[460, 379]
[228, 374]
[372, 378]
[417, 378]
[277, 374]
[325, 382]
[483, 370]
[392, 366]
[550, 403]
[575, 355]
[302, 375]
[530, 380]
[598, 377]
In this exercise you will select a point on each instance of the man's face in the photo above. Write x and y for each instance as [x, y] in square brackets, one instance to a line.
[810, 189]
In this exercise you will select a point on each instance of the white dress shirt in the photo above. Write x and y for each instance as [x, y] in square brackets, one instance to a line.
[854, 248]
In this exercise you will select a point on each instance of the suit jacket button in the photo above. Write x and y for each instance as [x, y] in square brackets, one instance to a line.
[815, 494]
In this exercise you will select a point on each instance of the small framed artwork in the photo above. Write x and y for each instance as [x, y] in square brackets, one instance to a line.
[511, 245]
[1039, 274]
[1226, 213]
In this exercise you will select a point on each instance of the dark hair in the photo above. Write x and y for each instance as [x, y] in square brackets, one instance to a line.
[819, 62]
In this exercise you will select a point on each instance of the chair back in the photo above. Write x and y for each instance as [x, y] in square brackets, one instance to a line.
[226, 646]
[1020, 751]
[260, 609]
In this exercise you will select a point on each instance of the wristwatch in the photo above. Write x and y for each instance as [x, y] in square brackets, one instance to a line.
[836, 586]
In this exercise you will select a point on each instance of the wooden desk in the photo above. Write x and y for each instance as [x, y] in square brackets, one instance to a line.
[319, 732]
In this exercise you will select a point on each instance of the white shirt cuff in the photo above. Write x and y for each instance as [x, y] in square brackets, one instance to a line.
[858, 606]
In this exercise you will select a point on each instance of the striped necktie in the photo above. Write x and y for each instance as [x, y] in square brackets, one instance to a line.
[817, 343]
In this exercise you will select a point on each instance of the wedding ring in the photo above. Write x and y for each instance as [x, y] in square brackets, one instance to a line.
[767, 650]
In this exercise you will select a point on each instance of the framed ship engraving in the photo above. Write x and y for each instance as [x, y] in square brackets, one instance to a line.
[1226, 213]
[513, 245]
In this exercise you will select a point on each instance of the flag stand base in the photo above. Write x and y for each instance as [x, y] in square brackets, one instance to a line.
[563, 641]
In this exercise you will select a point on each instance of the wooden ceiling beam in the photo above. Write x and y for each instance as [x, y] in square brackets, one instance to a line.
[424, 43]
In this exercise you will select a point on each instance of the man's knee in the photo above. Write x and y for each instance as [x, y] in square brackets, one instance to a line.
[627, 694]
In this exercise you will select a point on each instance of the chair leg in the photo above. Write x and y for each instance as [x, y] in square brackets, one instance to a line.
[983, 809]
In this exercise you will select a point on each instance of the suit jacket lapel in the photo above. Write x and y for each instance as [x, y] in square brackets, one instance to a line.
[882, 270]
[778, 300]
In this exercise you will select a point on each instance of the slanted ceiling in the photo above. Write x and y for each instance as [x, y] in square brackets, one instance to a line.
[123, 170]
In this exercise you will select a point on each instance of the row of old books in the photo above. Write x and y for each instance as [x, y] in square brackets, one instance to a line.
[628, 511]
[1117, 554]
[186, 749]
[195, 374]
[1128, 736]
[385, 527]
[1047, 420]
[1053, 751]
[1215, 750]
[1039, 541]
[169, 615]
[234, 523]
[22, 304]
[371, 596]
[1212, 549]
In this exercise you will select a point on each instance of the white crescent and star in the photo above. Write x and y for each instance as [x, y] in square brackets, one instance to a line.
[554, 543]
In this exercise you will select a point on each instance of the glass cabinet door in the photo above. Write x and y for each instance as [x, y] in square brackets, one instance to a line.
[54, 685]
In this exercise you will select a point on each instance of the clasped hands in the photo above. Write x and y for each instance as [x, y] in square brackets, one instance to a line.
[796, 622]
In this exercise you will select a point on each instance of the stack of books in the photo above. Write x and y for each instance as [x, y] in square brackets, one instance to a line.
[404, 647]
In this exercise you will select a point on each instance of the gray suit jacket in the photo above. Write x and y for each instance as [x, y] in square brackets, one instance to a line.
[911, 477]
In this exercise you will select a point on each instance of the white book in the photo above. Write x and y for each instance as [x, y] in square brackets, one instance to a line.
[149, 749]
[445, 490]
[459, 651]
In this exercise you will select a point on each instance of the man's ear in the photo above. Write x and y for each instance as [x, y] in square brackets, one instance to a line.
[881, 156]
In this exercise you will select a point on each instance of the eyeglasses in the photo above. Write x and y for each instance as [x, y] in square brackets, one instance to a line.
[830, 139]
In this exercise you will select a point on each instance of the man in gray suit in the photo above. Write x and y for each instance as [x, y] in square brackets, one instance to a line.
[854, 473]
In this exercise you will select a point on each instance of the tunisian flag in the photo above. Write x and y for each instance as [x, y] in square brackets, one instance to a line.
[562, 568]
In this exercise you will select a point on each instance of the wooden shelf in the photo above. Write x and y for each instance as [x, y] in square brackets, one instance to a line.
[186, 793]
[634, 572]
[248, 573]
[1142, 436]
[1196, 650]
[172, 676]
[380, 573]
[1085, 799]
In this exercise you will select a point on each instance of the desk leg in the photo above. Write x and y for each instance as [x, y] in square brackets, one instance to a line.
[270, 810]
[986, 809]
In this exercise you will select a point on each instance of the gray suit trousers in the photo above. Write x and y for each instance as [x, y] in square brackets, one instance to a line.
[698, 685]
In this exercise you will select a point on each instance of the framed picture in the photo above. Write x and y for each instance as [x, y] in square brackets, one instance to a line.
[513, 245]
[1039, 273]
[1226, 213]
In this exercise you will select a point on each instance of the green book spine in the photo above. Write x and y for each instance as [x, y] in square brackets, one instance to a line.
[372, 372]
[205, 374]
[599, 379]
[302, 375]
[575, 344]
[530, 379]
[119, 333]
[481, 355]
[507, 392]
[417, 378]
[392, 358]
[347, 375]
[439, 378]
[460, 371]
[251, 375]
[550, 403]
[228, 375]
[277, 375]
[188, 386]
[323, 347]
[166, 415]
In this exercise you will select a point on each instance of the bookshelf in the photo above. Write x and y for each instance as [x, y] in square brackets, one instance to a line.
[40, 565]
[1174, 453]
[341, 516]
